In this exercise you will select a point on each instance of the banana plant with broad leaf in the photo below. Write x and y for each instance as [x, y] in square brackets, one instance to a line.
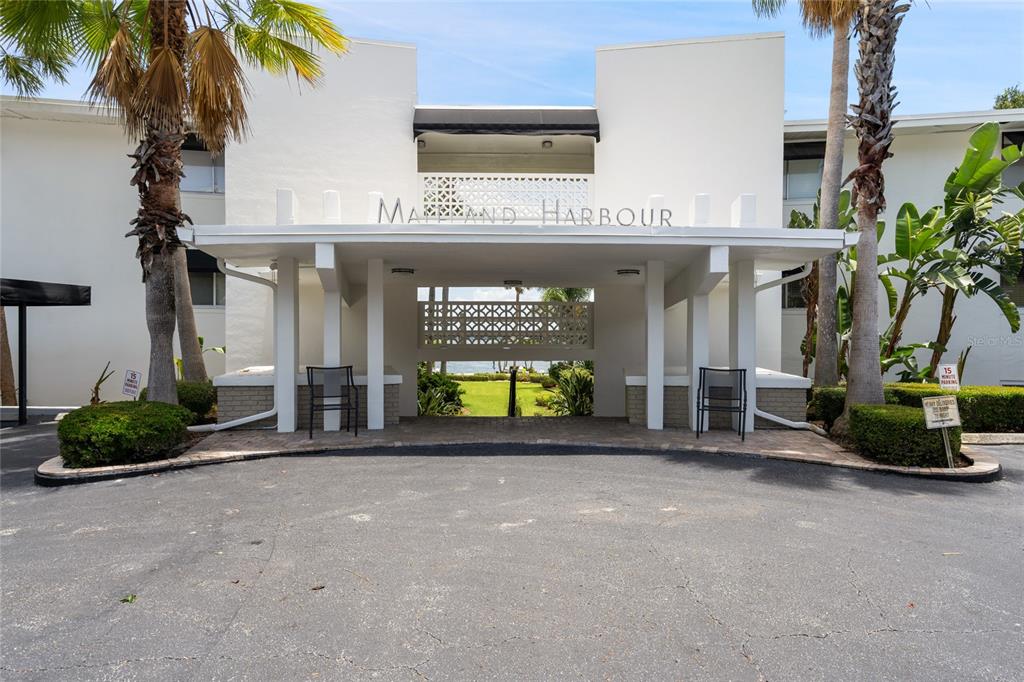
[977, 241]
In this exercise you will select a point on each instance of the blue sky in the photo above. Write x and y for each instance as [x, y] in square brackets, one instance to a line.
[951, 55]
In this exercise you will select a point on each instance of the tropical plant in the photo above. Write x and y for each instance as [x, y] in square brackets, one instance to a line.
[879, 22]
[94, 398]
[1010, 98]
[575, 395]
[822, 17]
[166, 68]
[565, 294]
[180, 364]
[435, 403]
[977, 241]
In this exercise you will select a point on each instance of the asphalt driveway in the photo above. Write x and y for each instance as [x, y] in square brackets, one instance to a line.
[514, 565]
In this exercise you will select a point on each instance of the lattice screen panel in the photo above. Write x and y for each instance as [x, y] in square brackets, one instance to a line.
[551, 324]
[455, 195]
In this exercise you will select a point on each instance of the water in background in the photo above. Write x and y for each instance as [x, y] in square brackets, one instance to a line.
[485, 366]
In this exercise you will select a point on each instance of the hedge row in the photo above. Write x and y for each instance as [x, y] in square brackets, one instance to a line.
[983, 409]
[896, 434]
[121, 433]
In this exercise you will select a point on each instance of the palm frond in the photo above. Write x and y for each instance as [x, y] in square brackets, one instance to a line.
[217, 89]
[117, 79]
[22, 73]
[160, 98]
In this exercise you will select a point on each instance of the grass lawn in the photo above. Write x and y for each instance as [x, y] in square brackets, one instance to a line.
[490, 398]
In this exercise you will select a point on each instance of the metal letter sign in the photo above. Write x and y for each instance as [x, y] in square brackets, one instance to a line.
[949, 380]
[132, 383]
[941, 412]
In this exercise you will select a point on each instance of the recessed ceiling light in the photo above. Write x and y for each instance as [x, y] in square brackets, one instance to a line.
[403, 271]
[627, 272]
[547, 144]
[513, 282]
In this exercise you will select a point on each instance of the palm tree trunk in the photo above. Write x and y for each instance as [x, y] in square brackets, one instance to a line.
[826, 372]
[160, 322]
[7, 392]
[188, 332]
[160, 215]
[879, 23]
[865, 376]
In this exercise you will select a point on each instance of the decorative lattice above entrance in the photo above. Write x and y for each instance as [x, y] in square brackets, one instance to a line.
[456, 195]
[534, 324]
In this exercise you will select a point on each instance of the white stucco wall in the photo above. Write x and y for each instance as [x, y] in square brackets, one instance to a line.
[618, 345]
[916, 173]
[696, 116]
[352, 134]
[65, 204]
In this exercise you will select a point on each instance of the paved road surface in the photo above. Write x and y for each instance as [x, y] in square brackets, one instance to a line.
[511, 565]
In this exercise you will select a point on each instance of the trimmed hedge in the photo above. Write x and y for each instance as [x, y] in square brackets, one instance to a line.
[983, 409]
[198, 397]
[896, 434]
[121, 433]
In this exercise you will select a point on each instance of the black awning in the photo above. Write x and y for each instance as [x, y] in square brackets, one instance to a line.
[467, 121]
[19, 292]
[199, 261]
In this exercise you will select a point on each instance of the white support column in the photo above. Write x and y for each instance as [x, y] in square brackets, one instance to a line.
[698, 347]
[654, 298]
[375, 344]
[286, 352]
[743, 328]
[327, 268]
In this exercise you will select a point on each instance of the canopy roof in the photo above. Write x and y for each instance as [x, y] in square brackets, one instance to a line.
[507, 121]
[487, 255]
[18, 292]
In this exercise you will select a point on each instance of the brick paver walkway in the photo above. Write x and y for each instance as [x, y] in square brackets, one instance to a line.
[236, 445]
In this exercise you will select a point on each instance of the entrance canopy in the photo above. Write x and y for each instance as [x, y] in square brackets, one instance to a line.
[456, 254]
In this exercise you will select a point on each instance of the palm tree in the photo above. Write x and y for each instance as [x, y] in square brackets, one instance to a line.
[821, 17]
[166, 67]
[879, 22]
[565, 294]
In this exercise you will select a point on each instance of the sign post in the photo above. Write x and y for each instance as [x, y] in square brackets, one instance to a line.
[941, 412]
[132, 383]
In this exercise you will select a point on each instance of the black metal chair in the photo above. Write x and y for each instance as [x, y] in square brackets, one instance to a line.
[340, 393]
[734, 403]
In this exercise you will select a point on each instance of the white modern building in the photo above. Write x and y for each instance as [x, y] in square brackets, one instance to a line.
[669, 198]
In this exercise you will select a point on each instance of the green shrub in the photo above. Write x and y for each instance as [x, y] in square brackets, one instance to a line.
[198, 397]
[121, 433]
[896, 434]
[826, 405]
[983, 409]
[544, 400]
[575, 395]
[443, 383]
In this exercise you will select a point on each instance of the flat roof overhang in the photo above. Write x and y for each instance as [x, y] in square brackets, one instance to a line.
[487, 255]
[507, 121]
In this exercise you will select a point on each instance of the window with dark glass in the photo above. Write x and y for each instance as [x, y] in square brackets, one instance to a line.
[206, 281]
[793, 292]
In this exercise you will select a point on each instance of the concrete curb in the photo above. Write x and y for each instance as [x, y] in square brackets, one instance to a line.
[52, 472]
[992, 438]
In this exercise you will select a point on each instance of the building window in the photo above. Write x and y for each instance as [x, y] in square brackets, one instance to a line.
[203, 173]
[206, 281]
[793, 292]
[803, 178]
[803, 163]
[1014, 174]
